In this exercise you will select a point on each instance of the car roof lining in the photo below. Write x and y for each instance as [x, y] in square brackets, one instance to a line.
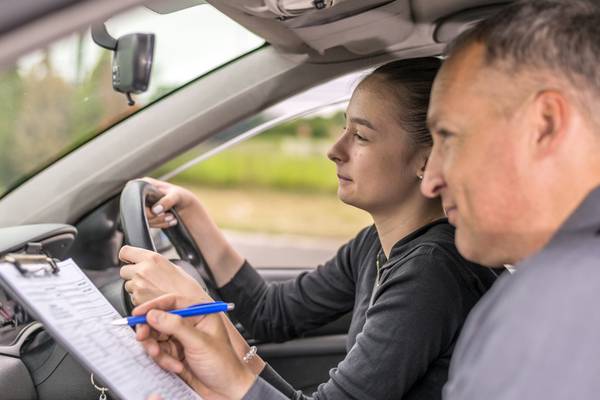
[316, 32]
[87, 177]
[29, 24]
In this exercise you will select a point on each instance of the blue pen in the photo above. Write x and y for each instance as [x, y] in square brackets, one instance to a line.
[191, 311]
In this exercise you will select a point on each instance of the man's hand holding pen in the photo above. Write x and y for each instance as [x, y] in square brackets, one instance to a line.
[197, 349]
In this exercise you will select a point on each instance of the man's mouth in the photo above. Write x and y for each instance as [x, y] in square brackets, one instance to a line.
[450, 211]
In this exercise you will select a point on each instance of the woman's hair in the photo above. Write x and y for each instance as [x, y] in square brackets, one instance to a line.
[410, 81]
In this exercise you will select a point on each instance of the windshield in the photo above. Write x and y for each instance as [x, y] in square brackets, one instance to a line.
[59, 97]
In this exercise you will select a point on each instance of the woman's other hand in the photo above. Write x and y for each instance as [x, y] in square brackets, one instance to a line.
[222, 259]
[149, 275]
[198, 349]
[174, 196]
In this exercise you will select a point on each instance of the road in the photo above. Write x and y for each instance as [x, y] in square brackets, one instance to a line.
[268, 251]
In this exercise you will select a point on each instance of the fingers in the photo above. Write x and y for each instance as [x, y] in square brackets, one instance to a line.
[134, 255]
[166, 302]
[145, 332]
[155, 182]
[162, 221]
[165, 203]
[129, 286]
[170, 198]
[142, 332]
[130, 271]
[154, 396]
[174, 325]
[140, 289]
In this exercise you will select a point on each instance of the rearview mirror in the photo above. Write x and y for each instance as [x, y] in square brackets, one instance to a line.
[132, 59]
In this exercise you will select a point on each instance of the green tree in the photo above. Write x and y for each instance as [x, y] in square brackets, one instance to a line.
[11, 92]
[42, 118]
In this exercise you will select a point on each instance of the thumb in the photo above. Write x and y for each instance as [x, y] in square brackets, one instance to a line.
[168, 201]
[174, 325]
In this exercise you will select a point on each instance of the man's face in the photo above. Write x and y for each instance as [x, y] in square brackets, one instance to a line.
[479, 162]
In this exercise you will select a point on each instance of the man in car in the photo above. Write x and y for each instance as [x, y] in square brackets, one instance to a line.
[516, 160]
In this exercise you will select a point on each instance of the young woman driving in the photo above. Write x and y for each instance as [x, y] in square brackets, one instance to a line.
[402, 278]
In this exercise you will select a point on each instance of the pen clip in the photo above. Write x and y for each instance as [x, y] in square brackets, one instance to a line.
[202, 305]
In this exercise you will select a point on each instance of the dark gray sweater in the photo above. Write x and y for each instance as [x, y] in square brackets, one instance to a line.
[398, 347]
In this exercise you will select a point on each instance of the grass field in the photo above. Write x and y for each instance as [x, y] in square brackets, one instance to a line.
[281, 212]
[286, 164]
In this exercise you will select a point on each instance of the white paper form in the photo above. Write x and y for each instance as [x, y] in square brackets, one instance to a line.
[76, 314]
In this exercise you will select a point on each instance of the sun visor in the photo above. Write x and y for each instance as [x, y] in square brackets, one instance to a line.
[364, 33]
[322, 25]
[435, 10]
[284, 9]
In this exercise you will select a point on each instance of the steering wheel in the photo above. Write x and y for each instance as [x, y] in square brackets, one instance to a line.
[138, 194]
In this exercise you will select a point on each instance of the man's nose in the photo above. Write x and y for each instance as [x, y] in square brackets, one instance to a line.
[433, 181]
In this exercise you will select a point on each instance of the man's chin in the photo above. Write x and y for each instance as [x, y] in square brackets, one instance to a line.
[476, 251]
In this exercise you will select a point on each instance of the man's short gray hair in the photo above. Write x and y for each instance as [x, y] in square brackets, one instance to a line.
[560, 37]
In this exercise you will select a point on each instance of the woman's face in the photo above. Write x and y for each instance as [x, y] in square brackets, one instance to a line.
[377, 168]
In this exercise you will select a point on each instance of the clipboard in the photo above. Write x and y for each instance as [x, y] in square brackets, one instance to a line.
[76, 315]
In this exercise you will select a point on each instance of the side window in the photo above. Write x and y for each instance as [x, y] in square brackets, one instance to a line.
[274, 194]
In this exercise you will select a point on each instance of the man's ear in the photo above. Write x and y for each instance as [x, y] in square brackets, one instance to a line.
[552, 115]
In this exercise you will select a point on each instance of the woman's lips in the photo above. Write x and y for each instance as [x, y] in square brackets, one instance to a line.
[344, 178]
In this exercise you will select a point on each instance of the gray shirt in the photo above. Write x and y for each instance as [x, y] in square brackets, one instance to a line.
[536, 334]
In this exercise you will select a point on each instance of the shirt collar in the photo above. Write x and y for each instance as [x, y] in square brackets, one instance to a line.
[586, 216]
[400, 246]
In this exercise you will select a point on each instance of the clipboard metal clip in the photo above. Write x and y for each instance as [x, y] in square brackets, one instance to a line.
[32, 264]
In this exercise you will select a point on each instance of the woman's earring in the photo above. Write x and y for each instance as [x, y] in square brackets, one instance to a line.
[420, 177]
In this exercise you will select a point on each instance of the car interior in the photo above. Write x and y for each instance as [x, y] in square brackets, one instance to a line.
[86, 203]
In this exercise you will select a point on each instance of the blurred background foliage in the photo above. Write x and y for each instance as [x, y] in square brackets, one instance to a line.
[291, 157]
[44, 116]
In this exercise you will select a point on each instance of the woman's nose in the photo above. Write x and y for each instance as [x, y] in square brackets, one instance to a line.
[338, 153]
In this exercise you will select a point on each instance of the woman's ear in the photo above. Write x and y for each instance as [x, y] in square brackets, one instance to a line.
[422, 164]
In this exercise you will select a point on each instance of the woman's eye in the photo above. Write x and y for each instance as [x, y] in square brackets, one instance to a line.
[444, 134]
[359, 137]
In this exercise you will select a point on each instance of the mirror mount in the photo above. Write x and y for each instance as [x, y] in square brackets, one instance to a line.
[132, 59]
[102, 38]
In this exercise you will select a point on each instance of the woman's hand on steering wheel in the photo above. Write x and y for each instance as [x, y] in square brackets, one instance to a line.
[149, 275]
[174, 196]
